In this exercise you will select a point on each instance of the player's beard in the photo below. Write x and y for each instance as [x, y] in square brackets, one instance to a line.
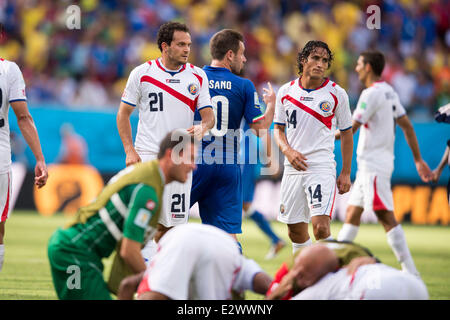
[174, 60]
[236, 69]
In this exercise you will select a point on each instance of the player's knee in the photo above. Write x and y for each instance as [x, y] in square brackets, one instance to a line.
[321, 231]
[297, 235]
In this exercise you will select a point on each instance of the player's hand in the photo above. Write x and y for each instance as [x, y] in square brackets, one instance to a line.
[343, 183]
[424, 171]
[132, 158]
[435, 175]
[269, 95]
[286, 284]
[198, 131]
[358, 262]
[297, 159]
[40, 174]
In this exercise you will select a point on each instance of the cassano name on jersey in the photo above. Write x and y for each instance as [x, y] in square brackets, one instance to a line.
[224, 85]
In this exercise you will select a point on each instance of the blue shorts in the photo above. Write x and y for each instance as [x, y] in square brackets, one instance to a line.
[249, 176]
[218, 190]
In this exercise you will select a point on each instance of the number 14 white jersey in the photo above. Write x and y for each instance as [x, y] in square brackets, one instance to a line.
[12, 88]
[166, 100]
[311, 118]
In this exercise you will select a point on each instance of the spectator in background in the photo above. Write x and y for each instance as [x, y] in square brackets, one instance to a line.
[73, 148]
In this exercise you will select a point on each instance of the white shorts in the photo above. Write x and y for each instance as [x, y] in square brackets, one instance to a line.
[176, 199]
[306, 195]
[372, 192]
[5, 195]
[195, 262]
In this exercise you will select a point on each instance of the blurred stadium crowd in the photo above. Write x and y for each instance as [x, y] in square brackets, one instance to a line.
[90, 66]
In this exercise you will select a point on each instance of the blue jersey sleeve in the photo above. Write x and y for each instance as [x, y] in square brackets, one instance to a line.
[252, 111]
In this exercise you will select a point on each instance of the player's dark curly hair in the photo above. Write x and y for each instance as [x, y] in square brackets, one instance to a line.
[308, 49]
[165, 33]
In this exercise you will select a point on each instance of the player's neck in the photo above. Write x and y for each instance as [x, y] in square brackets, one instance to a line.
[311, 83]
[220, 64]
[170, 64]
[371, 79]
[164, 166]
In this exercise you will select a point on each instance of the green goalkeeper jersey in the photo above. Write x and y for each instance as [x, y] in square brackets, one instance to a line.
[123, 209]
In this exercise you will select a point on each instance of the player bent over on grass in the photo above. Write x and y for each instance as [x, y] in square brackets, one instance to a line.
[316, 275]
[126, 210]
[196, 262]
[308, 110]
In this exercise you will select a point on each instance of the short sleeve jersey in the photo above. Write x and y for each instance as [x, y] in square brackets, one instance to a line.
[12, 88]
[377, 109]
[311, 118]
[166, 100]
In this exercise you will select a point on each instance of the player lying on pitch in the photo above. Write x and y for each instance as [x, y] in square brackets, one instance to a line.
[317, 275]
[212, 268]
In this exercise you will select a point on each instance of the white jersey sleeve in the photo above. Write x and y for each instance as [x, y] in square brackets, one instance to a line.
[204, 98]
[131, 94]
[280, 113]
[399, 110]
[366, 107]
[16, 84]
[342, 112]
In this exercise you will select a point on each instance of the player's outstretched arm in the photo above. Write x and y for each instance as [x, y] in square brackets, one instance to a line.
[30, 134]
[343, 181]
[297, 159]
[422, 167]
[436, 174]
[124, 128]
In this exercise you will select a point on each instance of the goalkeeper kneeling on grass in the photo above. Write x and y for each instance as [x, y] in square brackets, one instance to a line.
[123, 216]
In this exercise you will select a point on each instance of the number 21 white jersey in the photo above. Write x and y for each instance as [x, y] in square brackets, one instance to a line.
[166, 100]
[12, 88]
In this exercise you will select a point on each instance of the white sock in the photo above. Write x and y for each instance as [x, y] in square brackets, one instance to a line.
[397, 241]
[2, 253]
[348, 232]
[296, 246]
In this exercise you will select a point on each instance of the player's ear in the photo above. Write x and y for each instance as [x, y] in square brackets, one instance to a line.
[230, 54]
[164, 46]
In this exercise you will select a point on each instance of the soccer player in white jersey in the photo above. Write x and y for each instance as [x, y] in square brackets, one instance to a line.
[377, 111]
[316, 276]
[166, 91]
[196, 262]
[310, 108]
[12, 92]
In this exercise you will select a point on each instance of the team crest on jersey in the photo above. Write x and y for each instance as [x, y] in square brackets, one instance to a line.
[282, 208]
[193, 89]
[150, 205]
[325, 106]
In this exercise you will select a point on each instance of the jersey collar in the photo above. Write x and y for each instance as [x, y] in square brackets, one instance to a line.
[319, 87]
[171, 72]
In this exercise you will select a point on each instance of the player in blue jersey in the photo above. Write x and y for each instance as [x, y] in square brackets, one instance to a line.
[216, 184]
[250, 174]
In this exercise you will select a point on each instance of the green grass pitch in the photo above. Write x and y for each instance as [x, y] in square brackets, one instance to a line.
[26, 273]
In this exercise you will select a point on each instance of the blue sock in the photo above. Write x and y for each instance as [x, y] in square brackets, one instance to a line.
[264, 225]
[240, 246]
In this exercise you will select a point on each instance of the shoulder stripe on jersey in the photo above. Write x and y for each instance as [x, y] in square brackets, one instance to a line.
[129, 103]
[189, 102]
[200, 79]
[325, 120]
[149, 62]
[119, 205]
[334, 84]
[292, 82]
[335, 101]
[110, 224]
